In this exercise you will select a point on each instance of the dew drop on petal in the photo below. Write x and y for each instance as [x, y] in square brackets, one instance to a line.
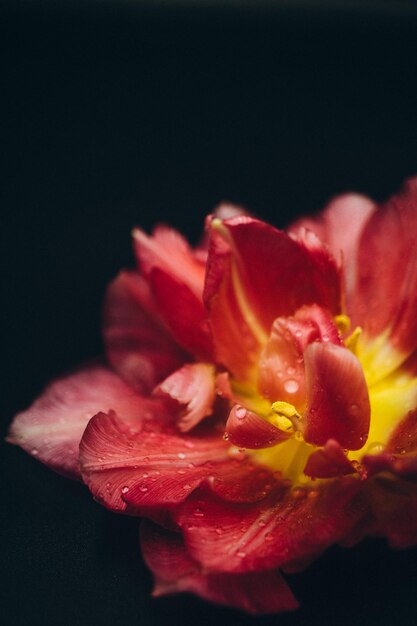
[241, 554]
[143, 488]
[240, 412]
[291, 386]
[187, 487]
[181, 455]
[226, 436]
[290, 371]
[125, 489]
[198, 512]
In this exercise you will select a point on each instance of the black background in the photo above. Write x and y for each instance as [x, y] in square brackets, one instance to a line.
[117, 115]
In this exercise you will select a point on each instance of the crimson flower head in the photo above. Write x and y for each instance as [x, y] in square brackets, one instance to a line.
[259, 399]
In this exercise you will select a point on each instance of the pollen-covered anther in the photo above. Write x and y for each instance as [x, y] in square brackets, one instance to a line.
[286, 417]
[342, 322]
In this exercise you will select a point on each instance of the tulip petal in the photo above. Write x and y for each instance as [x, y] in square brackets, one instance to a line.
[400, 454]
[125, 468]
[137, 344]
[183, 312]
[51, 429]
[281, 364]
[255, 274]
[248, 482]
[175, 572]
[328, 462]
[339, 226]
[386, 297]
[337, 397]
[167, 250]
[193, 387]
[246, 429]
[288, 525]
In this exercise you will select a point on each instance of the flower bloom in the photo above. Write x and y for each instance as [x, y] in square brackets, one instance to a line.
[259, 401]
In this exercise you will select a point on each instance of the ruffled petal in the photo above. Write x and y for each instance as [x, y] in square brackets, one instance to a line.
[287, 525]
[246, 429]
[167, 250]
[328, 462]
[175, 572]
[137, 344]
[337, 397]
[51, 429]
[139, 469]
[183, 312]
[386, 296]
[193, 387]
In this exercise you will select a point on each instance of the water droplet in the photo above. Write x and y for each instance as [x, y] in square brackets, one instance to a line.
[241, 554]
[226, 436]
[146, 459]
[145, 475]
[268, 537]
[108, 485]
[198, 512]
[130, 444]
[291, 386]
[181, 455]
[34, 451]
[240, 412]
[290, 371]
[261, 523]
[187, 487]
[125, 489]
[219, 530]
[143, 488]
[181, 471]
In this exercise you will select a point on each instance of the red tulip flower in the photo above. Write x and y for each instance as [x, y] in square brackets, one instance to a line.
[259, 401]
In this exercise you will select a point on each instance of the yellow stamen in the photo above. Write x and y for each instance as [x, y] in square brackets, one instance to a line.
[284, 408]
[342, 322]
[351, 342]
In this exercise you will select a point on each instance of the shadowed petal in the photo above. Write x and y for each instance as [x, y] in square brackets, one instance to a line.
[193, 387]
[137, 344]
[145, 469]
[245, 429]
[328, 462]
[386, 297]
[51, 428]
[175, 571]
[183, 312]
[337, 397]
[285, 526]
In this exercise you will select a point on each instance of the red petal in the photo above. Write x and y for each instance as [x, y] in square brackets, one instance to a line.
[337, 397]
[236, 346]
[52, 427]
[245, 429]
[281, 365]
[167, 250]
[145, 469]
[386, 297]
[193, 387]
[286, 526]
[183, 312]
[137, 344]
[340, 226]
[245, 482]
[176, 572]
[328, 462]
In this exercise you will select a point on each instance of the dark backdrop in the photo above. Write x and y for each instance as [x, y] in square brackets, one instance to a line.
[122, 115]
